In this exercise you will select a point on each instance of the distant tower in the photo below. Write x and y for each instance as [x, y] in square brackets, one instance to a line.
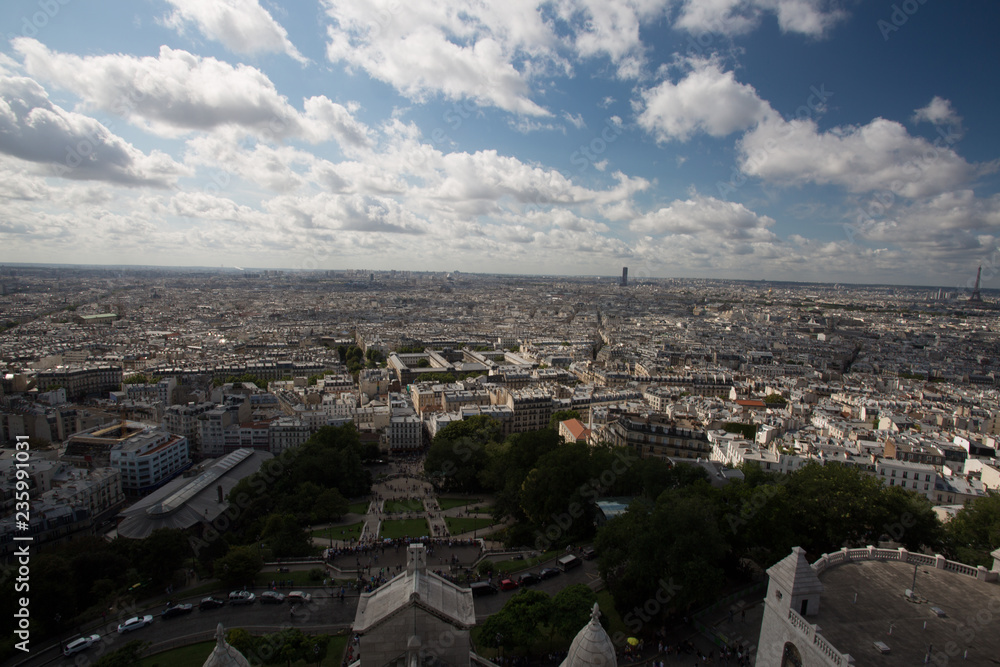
[625, 276]
[976, 298]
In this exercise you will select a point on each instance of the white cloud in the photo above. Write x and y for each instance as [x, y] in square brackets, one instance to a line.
[72, 145]
[457, 50]
[242, 26]
[178, 92]
[705, 216]
[705, 100]
[941, 113]
[881, 155]
[736, 17]
[575, 120]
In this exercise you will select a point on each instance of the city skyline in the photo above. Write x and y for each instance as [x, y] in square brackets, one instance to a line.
[782, 140]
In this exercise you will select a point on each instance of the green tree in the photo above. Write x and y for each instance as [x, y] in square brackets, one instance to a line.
[158, 556]
[556, 498]
[239, 566]
[571, 609]
[285, 537]
[519, 623]
[330, 506]
[975, 531]
[561, 416]
[457, 454]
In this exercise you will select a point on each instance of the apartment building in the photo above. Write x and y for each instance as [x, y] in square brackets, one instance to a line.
[918, 477]
[80, 382]
[657, 436]
[149, 459]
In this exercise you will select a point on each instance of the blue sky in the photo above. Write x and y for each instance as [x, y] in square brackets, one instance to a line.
[812, 140]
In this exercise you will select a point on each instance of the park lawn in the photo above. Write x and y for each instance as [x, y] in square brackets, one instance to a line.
[506, 566]
[404, 528]
[193, 655]
[335, 650]
[358, 508]
[459, 525]
[339, 532]
[449, 503]
[408, 505]
[616, 627]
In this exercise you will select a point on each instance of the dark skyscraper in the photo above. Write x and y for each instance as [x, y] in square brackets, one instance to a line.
[624, 276]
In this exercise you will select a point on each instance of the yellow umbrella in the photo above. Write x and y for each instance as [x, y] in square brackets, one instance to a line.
[632, 641]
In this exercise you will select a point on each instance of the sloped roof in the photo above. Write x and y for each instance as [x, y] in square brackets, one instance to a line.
[420, 589]
[795, 574]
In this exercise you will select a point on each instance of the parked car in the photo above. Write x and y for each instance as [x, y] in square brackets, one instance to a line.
[177, 610]
[298, 597]
[589, 553]
[242, 597]
[527, 579]
[80, 644]
[548, 573]
[480, 588]
[271, 597]
[211, 603]
[508, 585]
[135, 623]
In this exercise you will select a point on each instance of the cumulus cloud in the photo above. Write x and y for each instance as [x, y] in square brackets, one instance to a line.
[706, 99]
[941, 113]
[72, 145]
[881, 155]
[701, 215]
[178, 92]
[813, 18]
[242, 26]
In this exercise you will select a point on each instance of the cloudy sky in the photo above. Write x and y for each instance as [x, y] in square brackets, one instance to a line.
[813, 140]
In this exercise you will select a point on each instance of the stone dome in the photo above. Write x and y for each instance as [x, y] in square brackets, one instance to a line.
[592, 646]
[224, 655]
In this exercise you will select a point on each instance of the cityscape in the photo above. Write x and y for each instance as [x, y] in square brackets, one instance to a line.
[561, 333]
[207, 412]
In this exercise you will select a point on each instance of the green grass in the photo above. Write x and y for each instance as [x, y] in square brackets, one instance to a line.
[404, 528]
[358, 508]
[515, 565]
[457, 525]
[340, 532]
[449, 503]
[335, 650]
[616, 627]
[408, 505]
[193, 655]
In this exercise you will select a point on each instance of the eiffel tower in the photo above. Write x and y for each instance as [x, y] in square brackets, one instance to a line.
[976, 297]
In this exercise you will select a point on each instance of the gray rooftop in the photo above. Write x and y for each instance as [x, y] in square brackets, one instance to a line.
[186, 501]
[854, 627]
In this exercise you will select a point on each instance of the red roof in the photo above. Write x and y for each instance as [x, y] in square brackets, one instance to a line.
[752, 403]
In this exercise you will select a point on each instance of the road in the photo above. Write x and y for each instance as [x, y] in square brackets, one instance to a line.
[323, 614]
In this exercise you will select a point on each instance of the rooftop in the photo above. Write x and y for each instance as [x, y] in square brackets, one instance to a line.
[881, 613]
